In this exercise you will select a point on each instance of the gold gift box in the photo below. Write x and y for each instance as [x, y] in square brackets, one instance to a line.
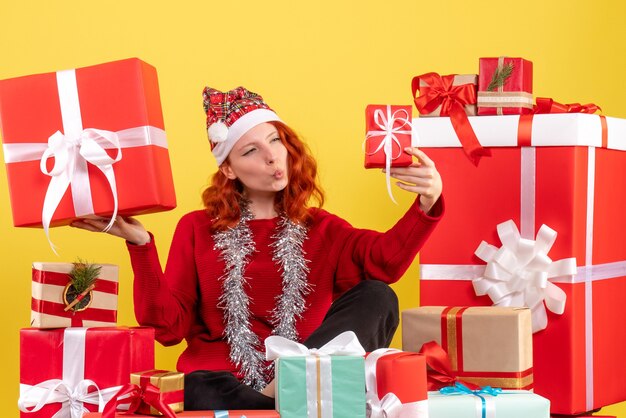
[169, 383]
[487, 346]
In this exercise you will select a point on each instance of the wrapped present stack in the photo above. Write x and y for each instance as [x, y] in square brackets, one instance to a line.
[537, 223]
[95, 147]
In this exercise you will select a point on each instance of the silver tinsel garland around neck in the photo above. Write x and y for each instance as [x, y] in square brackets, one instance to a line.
[236, 245]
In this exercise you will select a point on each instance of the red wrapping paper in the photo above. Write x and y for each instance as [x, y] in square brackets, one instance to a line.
[518, 87]
[403, 374]
[114, 96]
[201, 414]
[377, 115]
[111, 354]
[481, 198]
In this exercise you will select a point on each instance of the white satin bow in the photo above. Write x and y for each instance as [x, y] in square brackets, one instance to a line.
[387, 407]
[344, 344]
[71, 158]
[519, 273]
[386, 124]
[72, 399]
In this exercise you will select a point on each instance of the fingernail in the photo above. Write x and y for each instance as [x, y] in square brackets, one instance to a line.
[408, 149]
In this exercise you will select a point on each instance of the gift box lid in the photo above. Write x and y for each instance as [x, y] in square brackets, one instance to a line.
[563, 129]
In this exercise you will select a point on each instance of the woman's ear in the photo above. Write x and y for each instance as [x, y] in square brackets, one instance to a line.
[227, 171]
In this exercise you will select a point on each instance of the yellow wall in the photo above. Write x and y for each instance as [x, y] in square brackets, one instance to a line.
[318, 63]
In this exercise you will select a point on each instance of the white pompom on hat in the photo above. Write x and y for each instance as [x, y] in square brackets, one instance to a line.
[230, 115]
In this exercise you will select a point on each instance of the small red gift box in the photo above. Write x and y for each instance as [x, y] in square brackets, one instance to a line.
[63, 366]
[203, 414]
[97, 131]
[51, 284]
[396, 384]
[387, 133]
[505, 86]
[567, 171]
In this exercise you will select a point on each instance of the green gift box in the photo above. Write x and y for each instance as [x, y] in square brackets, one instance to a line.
[324, 383]
[507, 404]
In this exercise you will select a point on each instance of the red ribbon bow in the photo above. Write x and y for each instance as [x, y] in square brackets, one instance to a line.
[136, 395]
[548, 105]
[440, 373]
[452, 99]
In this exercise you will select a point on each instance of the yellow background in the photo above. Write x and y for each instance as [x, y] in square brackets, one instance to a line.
[319, 63]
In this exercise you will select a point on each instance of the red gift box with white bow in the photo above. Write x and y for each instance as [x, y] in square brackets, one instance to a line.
[396, 384]
[68, 371]
[86, 141]
[565, 171]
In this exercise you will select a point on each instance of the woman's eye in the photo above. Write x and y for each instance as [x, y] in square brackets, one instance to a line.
[275, 139]
[248, 152]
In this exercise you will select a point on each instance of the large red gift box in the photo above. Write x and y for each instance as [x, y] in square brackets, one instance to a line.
[68, 368]
[396, 384]
[571, 176]
[514, 96]
[98, 131]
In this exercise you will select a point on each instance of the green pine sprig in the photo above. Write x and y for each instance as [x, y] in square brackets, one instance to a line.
[83, 275]
[500, 75]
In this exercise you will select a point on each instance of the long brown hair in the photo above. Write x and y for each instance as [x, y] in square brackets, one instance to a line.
[222, 197]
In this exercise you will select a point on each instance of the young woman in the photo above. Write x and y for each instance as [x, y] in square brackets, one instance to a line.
[260, 259]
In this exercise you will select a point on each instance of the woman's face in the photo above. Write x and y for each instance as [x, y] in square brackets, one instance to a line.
[259, 161]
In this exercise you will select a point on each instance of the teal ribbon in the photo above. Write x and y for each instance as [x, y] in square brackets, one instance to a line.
[460, 389]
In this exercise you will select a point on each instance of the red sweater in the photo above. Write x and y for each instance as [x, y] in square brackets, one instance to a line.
[182, 302]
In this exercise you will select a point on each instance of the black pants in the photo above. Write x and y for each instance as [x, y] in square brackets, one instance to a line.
[370, 309]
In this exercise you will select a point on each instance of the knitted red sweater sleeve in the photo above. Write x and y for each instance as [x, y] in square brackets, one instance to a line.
[166, 302]
[367, 254]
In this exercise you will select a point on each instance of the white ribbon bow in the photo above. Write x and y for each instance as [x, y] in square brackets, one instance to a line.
[387, 407]
[519, 273]
[59, 391]
[344, 344]
[71, 156]
[386, 125]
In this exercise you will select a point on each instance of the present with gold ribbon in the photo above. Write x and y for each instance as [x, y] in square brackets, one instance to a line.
[459, 401]
[566, 171]
[486, 346]
[328, 382]
[505, 86]
[54, 305]
[97, 131]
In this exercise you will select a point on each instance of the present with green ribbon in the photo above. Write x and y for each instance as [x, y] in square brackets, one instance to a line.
[328, 382]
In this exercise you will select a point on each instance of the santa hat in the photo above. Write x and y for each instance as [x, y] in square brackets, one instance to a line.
[230, 115]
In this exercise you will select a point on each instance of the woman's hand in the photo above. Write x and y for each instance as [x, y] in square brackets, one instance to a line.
[421, 177]
[128, 228]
